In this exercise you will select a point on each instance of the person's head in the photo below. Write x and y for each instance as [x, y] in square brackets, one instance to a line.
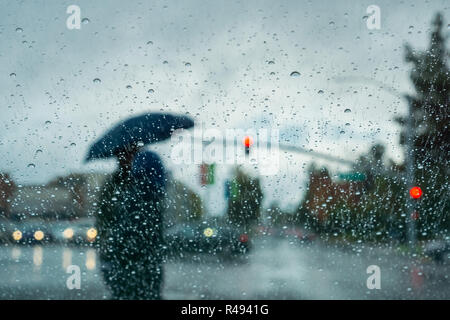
[148, 169]
[126, 156]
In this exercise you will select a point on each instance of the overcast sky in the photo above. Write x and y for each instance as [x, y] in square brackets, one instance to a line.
[226, 63]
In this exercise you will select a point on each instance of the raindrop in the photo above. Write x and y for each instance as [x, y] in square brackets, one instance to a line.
[38, 151]
[149, 42]
[19, 30]
[347, 110]
[271, 62]
[342, 132]
[129, 87]
[187, 64]
[320, 92]
[331, 23]
[31, 165]
[295, 74]
[12, 75]
[73, 144]
[150, 91]
[48, 122]
[165, 62]
[85, 21]
[347, 124]
[96, 80]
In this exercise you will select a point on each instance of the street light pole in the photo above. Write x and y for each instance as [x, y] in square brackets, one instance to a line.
[409, 162]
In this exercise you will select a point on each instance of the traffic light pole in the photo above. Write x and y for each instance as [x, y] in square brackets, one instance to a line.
[409, 162]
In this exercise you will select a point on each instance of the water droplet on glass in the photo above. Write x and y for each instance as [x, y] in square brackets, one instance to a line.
[150, 91]
[129, 87]
[38, 151]
[149, 42]
[187, 64]
[347, 110]
[12, 75]
[331, 23]
[97, 80]
[295, 74]
[271, 62]
[31, 165]
[165, 62]
[73, 144]
[85, 21]
[48, 122]
[19, 30]
[320, 92]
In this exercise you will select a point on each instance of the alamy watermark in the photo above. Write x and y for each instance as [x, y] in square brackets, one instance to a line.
[374, 280]
[74, 20]
[374, 17]
[74, 280]
[258, 148]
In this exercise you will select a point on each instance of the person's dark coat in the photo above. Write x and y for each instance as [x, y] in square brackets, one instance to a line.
[130, 228]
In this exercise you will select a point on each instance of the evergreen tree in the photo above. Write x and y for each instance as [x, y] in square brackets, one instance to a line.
[244, 204]
[429, 107]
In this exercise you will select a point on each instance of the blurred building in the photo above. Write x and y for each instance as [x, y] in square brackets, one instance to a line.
[324, 193]
[76, 196]
[67, 197]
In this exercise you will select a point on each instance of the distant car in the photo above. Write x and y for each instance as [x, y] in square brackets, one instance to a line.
[29, 232]
[74, 232]
[298, 234]
[438, 250]
[208, 238]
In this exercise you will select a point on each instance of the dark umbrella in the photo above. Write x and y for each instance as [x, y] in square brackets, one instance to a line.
[146, 128]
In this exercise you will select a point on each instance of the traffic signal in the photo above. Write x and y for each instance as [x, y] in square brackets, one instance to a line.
[415, 192]
[248, 142]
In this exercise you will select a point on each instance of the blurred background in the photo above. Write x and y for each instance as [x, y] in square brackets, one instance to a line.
[360, 99]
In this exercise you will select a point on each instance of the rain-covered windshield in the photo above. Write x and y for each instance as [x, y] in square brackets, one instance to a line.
[224, 149]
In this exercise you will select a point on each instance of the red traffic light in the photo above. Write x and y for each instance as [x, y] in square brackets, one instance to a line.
[248, 141]
[415, 192]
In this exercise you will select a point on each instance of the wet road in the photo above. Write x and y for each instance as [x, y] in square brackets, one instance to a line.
[275, 269]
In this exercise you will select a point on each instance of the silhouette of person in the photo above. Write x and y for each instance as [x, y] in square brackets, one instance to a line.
[130, 229]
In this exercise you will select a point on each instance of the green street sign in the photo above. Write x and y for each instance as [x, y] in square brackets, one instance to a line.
[352, 176]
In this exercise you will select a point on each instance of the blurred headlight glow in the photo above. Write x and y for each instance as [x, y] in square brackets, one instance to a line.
[17, 235]
[39, 235]
[91, 234]
[68, 233]
[208, 232]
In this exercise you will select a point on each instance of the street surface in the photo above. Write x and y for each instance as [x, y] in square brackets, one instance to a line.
[275, 269]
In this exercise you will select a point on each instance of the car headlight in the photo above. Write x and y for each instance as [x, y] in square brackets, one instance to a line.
[208, 232]
[68, 233]
[39, 235]
[91, 234]
[17, 235]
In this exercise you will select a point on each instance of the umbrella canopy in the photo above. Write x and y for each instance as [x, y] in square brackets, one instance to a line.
[146, 128]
